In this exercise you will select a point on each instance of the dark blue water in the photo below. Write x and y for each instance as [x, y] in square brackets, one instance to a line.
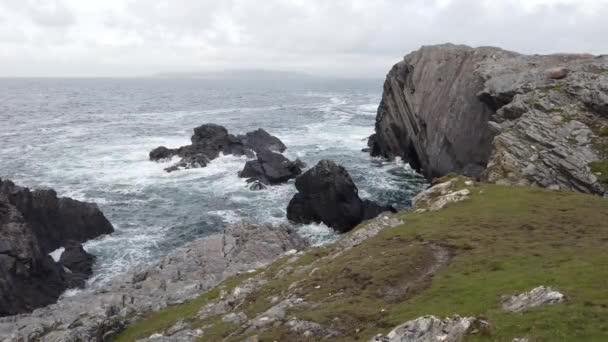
[89, 139]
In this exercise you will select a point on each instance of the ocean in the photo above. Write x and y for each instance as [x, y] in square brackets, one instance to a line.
[89, 139]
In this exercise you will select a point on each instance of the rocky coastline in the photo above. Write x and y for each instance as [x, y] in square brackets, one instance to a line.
[471, 256]
[501, 116]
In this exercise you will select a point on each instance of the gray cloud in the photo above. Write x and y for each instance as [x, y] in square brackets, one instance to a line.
[344, 38]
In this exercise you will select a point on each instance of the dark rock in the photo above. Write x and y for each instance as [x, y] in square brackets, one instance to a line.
[33, 224]
[257, 186]
[56, 220]
[28, 277]
[271, 168]
[327, 194]
[209, 140]
[162, 153]
[78, 262]
[259, 140]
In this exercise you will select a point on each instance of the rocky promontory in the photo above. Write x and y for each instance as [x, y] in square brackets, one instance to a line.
[33, 224]
[502, 116]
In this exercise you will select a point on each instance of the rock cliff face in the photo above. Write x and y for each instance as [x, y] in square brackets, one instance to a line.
[505, 117]
[33, 224]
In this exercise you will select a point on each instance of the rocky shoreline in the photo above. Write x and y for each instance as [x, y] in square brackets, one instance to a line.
[498, 115]
[494, 115]
[181, 276]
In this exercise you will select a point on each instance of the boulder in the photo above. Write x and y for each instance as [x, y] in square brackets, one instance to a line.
[431, 328]
[327, 194]
[539, 296]
[270, 168]
[497, 115]
[78, 262]
[33, 224]
[211, 140]
[259, 140]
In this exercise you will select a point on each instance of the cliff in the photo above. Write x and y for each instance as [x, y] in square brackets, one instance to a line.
[499, 115]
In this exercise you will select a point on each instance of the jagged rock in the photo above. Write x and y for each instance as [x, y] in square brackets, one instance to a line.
[162, 153]
[32, 224]
[183, 275]
[537, 297]
[270, 168]
[431, 329]
[440, 195]
[56, 220]
[260, 140]
[490, 113]
[209, 140]
[78, 262]
[327, 194]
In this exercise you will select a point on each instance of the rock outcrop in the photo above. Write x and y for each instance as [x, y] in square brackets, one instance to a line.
[499, 115]
[271, 168]
[56, 220]
[183, 275]
[32, 224]
[538, 296]
[209, 140]
[431, 328]
[327, 194]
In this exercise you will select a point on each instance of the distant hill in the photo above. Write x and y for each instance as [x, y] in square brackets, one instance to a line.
[245, 74]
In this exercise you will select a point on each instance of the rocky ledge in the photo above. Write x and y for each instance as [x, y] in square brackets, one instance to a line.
[505, 117]
[327, 194]
[185, 274]
[33, 224]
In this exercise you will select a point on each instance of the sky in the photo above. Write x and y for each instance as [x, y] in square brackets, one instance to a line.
[355, 38]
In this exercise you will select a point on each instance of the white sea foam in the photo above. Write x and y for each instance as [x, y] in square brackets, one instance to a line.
[56, 254]
[100, 154]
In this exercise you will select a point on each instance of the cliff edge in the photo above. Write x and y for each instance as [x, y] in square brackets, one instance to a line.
[498, 115]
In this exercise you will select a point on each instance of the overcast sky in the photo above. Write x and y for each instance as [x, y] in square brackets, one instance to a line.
[351, 38]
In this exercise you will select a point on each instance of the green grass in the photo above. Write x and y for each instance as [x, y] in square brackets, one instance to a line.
[600, 169]
[502, 241]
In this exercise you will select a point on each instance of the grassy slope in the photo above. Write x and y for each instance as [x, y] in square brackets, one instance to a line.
[504, 240]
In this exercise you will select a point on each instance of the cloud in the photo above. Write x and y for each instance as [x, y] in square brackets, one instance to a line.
[339, 37]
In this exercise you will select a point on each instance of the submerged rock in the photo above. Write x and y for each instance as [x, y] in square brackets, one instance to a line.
[211, 140]
[539, 296]
[499, 115]
[33, 224]
[327, 194]
[270, 168]
[431, 328]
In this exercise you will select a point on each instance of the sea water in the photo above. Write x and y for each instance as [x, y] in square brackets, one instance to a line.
[89, 139]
